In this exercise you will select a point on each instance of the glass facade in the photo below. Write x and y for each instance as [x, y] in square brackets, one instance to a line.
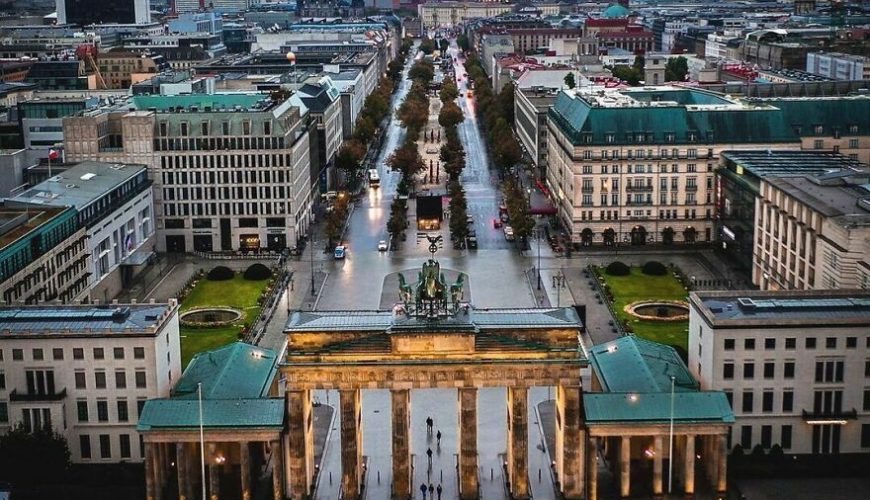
[85, 12]
[736, 190]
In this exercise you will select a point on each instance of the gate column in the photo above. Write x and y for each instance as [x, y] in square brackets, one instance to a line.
[401, 401]
[468, 480]
[351, 444]
[518, 440]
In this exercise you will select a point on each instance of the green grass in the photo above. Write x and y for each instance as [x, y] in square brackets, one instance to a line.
[237, 293]
[639, 286]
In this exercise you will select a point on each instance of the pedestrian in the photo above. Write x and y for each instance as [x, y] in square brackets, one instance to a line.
[429, 454]
[429, 424]
[431, 491]
[423, 489]
[439, 490]
[438, 437]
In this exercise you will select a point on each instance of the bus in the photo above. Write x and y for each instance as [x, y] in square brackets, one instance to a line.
[374, 178]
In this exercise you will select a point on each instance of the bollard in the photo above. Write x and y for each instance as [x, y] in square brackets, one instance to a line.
[490, 473]
[539, 474]
[442, 475]
[330, 477]
[379, 476]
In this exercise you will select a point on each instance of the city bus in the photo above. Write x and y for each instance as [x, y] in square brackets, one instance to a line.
[374, 178]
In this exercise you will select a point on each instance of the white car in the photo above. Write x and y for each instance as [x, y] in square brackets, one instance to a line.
[432, 151]
[508, 233]
[382, 246]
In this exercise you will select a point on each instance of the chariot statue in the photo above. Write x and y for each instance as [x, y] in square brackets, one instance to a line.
[431, 296]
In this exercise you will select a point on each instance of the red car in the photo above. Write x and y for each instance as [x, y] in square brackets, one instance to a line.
[496, 223]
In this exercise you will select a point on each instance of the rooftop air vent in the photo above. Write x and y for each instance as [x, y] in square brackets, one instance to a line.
[746, 303]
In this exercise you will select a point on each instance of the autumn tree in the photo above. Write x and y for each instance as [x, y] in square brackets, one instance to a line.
[449, 91]
[451, 115]
[570, 81]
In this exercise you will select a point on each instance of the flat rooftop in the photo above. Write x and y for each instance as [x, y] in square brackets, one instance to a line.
[763, 163]
[35, 217]
[84, 320]
[793, 308]
[831, 200]
[651, 96]
[81, 185]
[247, 101]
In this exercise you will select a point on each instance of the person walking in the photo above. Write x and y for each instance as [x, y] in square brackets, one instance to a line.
[423, 489]
[439, 490]
[431, 491]
[438, 437]
[429, 424]
[429, 454]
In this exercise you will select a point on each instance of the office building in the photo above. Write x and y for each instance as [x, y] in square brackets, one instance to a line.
[839, 66]
[254, 195]
[43, 254]
[85, 371]
[88, 12]
[792, 363]
[115, 205]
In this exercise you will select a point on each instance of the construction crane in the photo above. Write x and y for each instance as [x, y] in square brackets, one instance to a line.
[88, 53]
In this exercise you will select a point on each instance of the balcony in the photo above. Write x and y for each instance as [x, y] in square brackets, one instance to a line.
[29, 398]
[588, 189]
[639, 189]
[644, 203]
[692, 188]
[829, 417]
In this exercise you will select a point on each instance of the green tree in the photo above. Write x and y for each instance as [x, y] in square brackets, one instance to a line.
[449, 91]
[570, 82]
[376, 107]
[427, 46]
[406, 160]
[443, 44]
[505, 102]
[518, 208]
[350, 155]
[462, 41]
[451, 115]
[676, 69]
[398, 219]
[639, 63]
[422, 71]
[335, 219]
[629, 74]
[414, 114]
[364, 130]
[29, 458]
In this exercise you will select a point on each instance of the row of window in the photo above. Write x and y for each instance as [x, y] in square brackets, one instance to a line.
[640, 168]
[104, 443]
[78, 353]
[140, 378]
[768, 370]
[791, 343]
[825, 402]
[122, 410]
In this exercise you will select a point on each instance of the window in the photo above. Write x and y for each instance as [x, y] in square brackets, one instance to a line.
[729, 344]
[78, 353]
[39, 382]
[810, 343]
[140, 380]
[105, 446]
[767, 401]
[118, 353]
[38, 355]
[99, 353]
[123, 412]
[829, 371]
[866, 399]
[103, 410]
[125, 445]
[787, 401]
[140, 404]
[82, 410]
[867, 368]
[728, 371]
[85, 445]
[80, 380]
[749, 344]
[790, 343]
[788, 369]
[57, 354]
[746, 436]
[785, 437]
[2, 380]
[4, 412]
[768, 369]
[138, 353]
[747, 402]
[120, 379]
[831, 342]
[17, 355]
[770, 344]
[100, 380]
[851, 342]
[748, 370]
[766, 436]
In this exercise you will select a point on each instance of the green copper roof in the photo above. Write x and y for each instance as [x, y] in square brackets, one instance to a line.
[226, 413]
[215, 101]
[234, 371]
[615, 11]
[667, 116]
[689, 407]
[830, 113]
[632, 364]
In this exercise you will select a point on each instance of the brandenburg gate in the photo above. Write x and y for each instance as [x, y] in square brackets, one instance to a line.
[433, 339]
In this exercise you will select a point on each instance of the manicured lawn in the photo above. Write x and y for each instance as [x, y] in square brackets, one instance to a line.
[237, 293]
[639, 286]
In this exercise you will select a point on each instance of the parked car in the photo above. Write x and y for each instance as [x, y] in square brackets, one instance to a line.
[469, 220]
[472, 234]
[432, 151]
[508, 233]
[496, 223]
[471, 243]
[382, 246]
[504, 217]
[340, 252]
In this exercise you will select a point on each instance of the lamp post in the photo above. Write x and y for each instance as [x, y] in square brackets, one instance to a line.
[671, 442]
[559, 284]
[538, 234]
[201, 438]
[313, 244]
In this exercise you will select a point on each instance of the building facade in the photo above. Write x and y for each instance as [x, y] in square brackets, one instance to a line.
[635, 166]
[115, 203]
[87, 12]
[792, 363]
[43, 254]
[435, 14]
[839, 66]
[255, 195]
[86, 372]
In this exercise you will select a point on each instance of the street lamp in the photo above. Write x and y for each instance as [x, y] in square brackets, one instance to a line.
[538, 234]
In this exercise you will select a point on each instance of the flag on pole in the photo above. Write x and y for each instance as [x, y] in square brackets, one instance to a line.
[53, 154]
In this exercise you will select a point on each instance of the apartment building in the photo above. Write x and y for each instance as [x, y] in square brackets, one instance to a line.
[114, 203]
[813, 231]
[43, 254]
[435, 14]
[85, 371]
[255, 194]
[636, 165]
[122, 69]
[794, 365]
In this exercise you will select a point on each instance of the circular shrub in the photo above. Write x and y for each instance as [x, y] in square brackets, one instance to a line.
[221, 273]
[617, 269]
[257, 272]
[654, 268]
